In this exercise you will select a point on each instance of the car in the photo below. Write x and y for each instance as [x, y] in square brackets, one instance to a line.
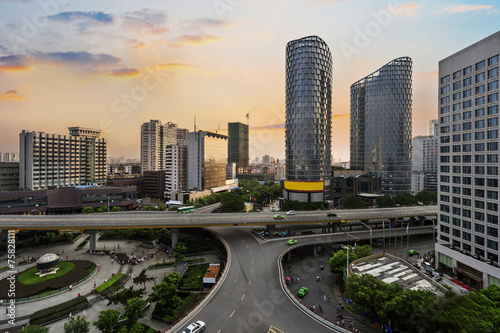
[331, 214]
[302, 292]
[277, 234]
[290, 212]
[412, 252]
[278, 217]
[291, 241]
[195, 327]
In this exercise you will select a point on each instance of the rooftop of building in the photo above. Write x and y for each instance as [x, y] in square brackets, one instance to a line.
[212, 271]
[390, 269]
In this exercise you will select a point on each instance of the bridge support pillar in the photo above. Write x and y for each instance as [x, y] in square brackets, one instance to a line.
[270, 230]
[175, 236]
[92, 233]
[421, 221]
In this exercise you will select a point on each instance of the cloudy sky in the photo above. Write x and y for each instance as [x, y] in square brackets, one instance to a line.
[113, 64]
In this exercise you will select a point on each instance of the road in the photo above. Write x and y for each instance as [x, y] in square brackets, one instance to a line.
[195, 220]
[251, 298]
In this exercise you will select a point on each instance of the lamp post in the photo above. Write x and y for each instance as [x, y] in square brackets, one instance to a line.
[347, 248]
[371, 245]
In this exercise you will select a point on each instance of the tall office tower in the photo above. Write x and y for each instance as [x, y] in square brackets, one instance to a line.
[176, 168]
[425, 156]
[238, 146]
[266, 159]
[468, 169]
[308, 120]
[52, 160]
[381, 125]
[152, 146]
[207, 159]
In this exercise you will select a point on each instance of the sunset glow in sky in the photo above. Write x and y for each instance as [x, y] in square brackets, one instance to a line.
[116, 64]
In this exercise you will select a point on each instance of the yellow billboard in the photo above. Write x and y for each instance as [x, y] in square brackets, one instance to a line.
[304, 186]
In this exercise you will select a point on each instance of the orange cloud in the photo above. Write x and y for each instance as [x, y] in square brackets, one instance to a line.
[122, 73]
[407, 9]
[199, 39]
[275, 127]
[463, 8]
[11, 95]
[14, 68]
[158, 31]
[174, 67]
[345, 115]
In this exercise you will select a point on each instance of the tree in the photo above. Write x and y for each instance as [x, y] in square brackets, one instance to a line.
[135, 309]
[362, 251]
[35, 329]
[108, 321]
[232, 202]
[142, 278]
[426, 197]
[88, 210]
[405, 199]
[102, 209]
[353, 202]
[385, 202]
[136, 328]
[180, 249]
[339, 260]
[124, 295]
[77, 324]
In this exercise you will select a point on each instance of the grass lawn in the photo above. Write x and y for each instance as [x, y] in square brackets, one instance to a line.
[29, 277]
[4, 268]
[193, 278]
[109, 283]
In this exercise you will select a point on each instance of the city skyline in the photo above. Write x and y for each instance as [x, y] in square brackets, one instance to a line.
[75, 64]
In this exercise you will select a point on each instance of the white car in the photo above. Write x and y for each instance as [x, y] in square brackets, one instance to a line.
[290, 212]
[195, 327]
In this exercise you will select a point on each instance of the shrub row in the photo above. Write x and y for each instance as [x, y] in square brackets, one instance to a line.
[162, 264]
[59, 311]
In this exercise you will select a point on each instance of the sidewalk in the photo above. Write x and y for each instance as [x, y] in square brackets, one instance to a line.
[25, 309]
[307, 269]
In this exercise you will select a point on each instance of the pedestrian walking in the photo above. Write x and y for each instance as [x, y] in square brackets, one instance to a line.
[298, 280]
[324, 298]
[320, 308]
[6, 310]
[328, 298]
[95, 284]
[111, 261]
[84, 314]
[317, 278]
[69, 315]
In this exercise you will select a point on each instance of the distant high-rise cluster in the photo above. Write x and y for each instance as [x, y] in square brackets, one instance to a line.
[9, 157]
[381, 121]
[425, 157]
[308, 120]
[53, 160]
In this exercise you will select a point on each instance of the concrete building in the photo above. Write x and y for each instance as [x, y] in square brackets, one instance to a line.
[308, 120]
[354, 182]
[176, 168]
[280, 172]
[67, 199]
[425, 156]
[238, 149]
[207, 159]
[9, 176]
[417, 181]
[153, 184]
[381, 125]
[9, 157]
[468, 198]
[52, 161]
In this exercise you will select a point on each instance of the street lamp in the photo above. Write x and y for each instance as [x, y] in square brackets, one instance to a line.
[347, 248]
[370, 233]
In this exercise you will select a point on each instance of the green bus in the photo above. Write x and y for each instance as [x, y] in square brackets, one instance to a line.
[187, 209]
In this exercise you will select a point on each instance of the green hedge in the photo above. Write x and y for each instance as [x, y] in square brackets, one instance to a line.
[4, 268]
[82, 244]
[162, 264]
[110, 283]
[59, 311]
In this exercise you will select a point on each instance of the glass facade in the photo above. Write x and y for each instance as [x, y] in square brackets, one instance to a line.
[214, 161]
[308, 109]
[381, 133]
[238, 146]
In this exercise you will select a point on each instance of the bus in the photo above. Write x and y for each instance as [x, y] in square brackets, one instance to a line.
[187, 209]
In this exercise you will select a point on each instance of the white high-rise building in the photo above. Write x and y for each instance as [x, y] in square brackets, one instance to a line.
[468, 201]
[52, 160]
[425, 157]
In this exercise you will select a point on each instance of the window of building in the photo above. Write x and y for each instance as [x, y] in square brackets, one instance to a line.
[492, 98]
[466, 136]
[457, 96]
[479, 228]
[479, 123]
[480, 100]
[493, 85]
[466, 158]
[493, 60]
[492, 134]
[480, 65]
[467, 82]
[445, 109]
[480, 77]
[445, 90]
[466, 236]
[479, 170]
[492, 170]
[492, 109]
[492, 73]
[479, 146]
[467, 70]
[492, 146]
[456, 107]
[467, 114]
[493, 219]
[479, 135]
[479, 112]
[492, 182]
[467, 93]
[492, 158]
[457, 74]
[445, 79]
[466, 224]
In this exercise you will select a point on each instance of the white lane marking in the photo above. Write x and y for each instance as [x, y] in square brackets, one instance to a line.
[235, 281]
[232, 314]
[249, 282]
[250, 252]
[252, 261]
[218, 331]
[242, 297]
[252, 270]
[247, 246]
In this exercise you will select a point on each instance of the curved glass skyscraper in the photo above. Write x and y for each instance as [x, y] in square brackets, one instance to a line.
[381, 141]
[308, 119]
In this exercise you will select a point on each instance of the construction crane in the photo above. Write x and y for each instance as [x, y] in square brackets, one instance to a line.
[248, 115]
